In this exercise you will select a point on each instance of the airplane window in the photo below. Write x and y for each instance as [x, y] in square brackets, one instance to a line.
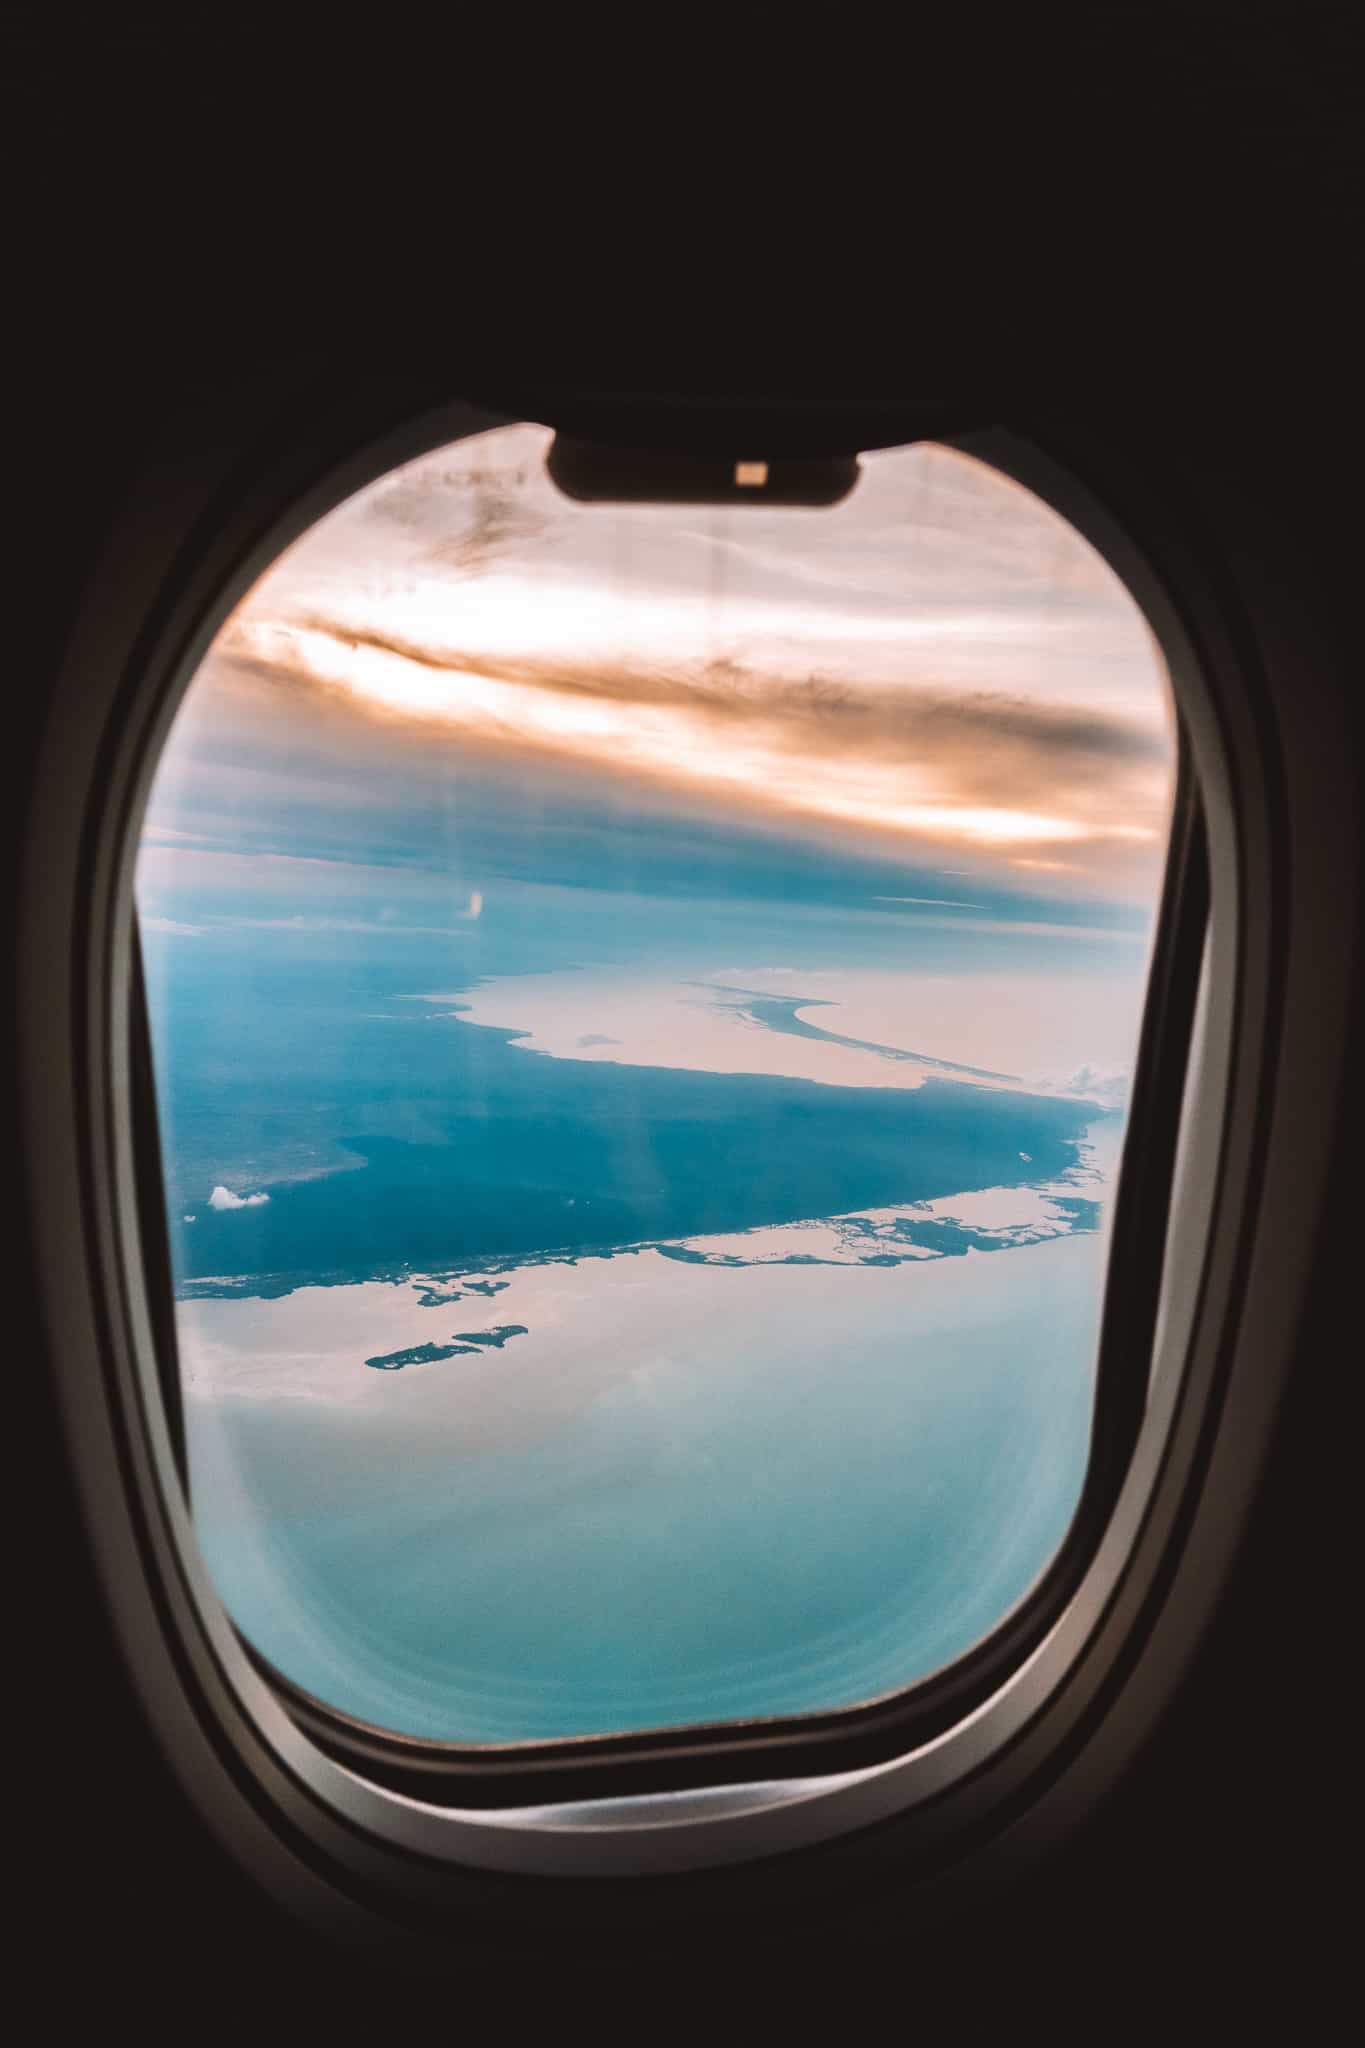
[643, 1000]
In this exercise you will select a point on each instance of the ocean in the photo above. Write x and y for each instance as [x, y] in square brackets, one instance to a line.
[669, 1489]
[545, 1381]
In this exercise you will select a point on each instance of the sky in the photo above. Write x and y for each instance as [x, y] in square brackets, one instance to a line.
[910, 755]
[938, 676]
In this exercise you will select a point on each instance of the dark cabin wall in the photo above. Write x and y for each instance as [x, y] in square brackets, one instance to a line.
[153, 270]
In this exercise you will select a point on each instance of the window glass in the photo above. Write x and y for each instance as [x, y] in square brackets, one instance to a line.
[643, 1001]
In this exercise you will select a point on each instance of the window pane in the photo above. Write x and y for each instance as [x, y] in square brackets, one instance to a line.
[643, 1000]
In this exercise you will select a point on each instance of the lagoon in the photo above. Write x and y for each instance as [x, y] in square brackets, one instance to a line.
[775, 1475]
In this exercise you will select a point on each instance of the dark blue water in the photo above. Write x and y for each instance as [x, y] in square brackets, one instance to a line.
[389, 1137]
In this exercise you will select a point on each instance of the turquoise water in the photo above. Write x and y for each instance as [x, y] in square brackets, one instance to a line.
[796, 1487]
[607, 1466]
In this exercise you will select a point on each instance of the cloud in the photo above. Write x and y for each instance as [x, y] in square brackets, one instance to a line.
[466, 514]
[942, 666]
[801, 711]
[157, 834]
[223, 1198]
[979, 770]
[388, 927]
[1108, 1085]
[169, 926]
[938, 902]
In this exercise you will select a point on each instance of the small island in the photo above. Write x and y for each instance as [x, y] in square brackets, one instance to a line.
[419, 1354]
[467, 1344]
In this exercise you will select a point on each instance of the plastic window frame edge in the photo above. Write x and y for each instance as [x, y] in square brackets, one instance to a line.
[616, 1812]
[687, 1830]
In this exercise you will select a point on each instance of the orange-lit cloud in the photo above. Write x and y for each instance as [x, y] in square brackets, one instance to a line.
[976, 770]
[941, 665]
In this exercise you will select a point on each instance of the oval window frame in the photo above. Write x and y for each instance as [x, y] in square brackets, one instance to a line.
[680, 1830]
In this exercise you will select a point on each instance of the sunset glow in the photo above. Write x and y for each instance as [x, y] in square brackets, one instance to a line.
[670, 744]
[939, 662]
